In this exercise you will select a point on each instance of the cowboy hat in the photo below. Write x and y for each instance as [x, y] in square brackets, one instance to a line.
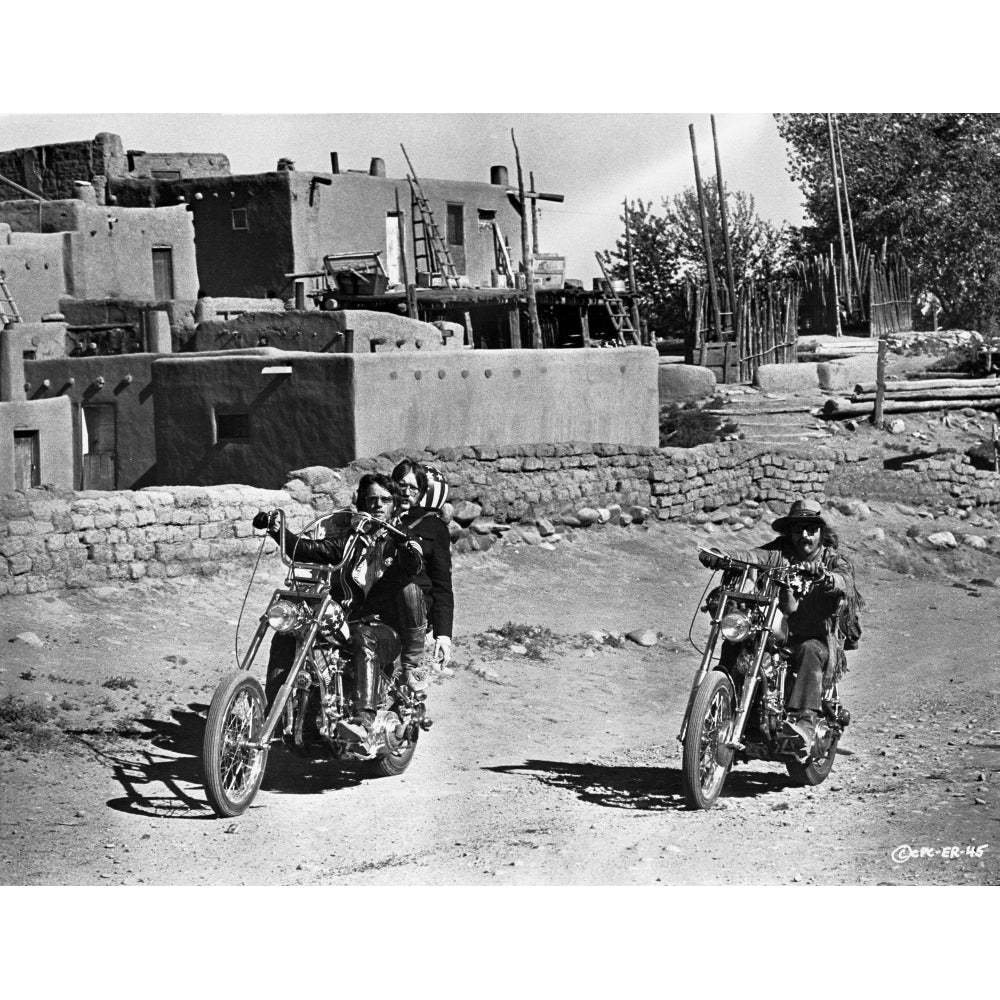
[807, 511]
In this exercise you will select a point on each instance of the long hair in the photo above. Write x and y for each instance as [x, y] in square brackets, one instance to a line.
[405, 468]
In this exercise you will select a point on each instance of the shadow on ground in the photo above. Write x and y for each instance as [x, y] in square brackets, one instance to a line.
[630, 787]
[167, 780]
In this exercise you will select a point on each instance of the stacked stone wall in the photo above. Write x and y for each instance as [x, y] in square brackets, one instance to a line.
[51, 539]
[940, 481]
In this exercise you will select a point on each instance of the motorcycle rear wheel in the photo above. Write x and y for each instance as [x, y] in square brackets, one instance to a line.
[816, 771]
[234, 770]
[704, 766]
[392, 764]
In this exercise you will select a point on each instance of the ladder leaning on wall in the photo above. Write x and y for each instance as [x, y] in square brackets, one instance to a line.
[428, 245]
[8, 307]
[616, 310]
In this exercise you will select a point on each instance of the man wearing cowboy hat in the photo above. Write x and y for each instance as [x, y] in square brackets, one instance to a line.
[806, 541]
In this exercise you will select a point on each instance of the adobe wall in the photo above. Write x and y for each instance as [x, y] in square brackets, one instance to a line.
[52, 419]
[298, 419]
[112, 253]
[249, 262]
[122, 380]
[374, 332]
[348, 216]
[43, 340]
[35, 271]
[51, 170]
[142, 164]
[497, 398]
[331, 409]
[50, 540]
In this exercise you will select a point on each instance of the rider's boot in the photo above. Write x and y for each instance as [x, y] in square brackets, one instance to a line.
[803, 723]
[411, 654]
[359, 729]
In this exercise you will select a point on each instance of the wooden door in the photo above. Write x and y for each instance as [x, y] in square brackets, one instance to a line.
[163, 273]
[99, 447]
[26, 461]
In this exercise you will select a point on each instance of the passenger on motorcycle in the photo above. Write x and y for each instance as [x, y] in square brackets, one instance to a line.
[371, 584]
[429, 600]
[806, 541]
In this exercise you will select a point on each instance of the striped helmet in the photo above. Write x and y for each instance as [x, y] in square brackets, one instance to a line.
[437, 489]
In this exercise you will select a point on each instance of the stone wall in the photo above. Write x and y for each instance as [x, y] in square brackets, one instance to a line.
[943, 480]
[51, 539]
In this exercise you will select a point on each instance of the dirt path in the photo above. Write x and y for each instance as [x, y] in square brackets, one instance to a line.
[555, 770]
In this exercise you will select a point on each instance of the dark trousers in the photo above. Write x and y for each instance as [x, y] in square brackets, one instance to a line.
[411, 611]
[809, 658]
[373, 645]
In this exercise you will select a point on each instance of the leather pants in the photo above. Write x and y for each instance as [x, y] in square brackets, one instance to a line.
[412, 618]
[373, 645]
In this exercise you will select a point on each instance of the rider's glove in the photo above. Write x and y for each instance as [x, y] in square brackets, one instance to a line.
[442, 650]
[262, 520]
[711, 558]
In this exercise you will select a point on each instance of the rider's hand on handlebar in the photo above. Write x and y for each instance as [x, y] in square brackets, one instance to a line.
[814, 569]
[263, 520]
[711, 558]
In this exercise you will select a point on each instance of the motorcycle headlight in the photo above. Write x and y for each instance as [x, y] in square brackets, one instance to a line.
[735, 626]
[283, 616]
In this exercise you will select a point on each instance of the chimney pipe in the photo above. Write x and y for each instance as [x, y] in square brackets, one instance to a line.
[499, 175]
[334, 163]
[377, 168]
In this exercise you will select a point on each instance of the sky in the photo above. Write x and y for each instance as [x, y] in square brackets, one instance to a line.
[595, 161]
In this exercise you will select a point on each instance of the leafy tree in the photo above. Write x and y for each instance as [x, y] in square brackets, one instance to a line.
[668, 250]
[929, 184]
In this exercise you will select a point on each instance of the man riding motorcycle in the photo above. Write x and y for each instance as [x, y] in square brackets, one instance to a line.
[370, 585]
[806, 541]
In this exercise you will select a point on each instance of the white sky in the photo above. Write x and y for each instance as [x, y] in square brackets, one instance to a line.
[594, 160]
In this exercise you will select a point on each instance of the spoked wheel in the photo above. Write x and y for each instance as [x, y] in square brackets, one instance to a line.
[232, 764]
[816, 771]
[707, 759]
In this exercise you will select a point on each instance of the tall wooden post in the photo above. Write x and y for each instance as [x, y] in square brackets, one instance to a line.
[527, 263]
[724, 216]
[534, 215]
[713, 291]
[883, 347]
[631, 275]
[847, 206]
[840, 218]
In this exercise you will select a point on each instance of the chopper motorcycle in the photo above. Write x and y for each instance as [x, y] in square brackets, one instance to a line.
[317, 692]
[737, 709]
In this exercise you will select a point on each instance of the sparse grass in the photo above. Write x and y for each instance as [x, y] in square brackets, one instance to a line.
[688, 425]
[27, 675]
[26, 723]
[59, 679]
[536, 639]
[120, 683]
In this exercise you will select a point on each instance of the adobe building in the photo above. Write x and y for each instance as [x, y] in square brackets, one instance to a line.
[253, 417]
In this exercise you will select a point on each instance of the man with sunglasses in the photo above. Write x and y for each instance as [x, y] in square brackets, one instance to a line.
[815, 642]
[369, 585]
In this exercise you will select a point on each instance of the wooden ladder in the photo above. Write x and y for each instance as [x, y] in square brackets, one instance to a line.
[428, 245]
[8, 307]
[504, 266]
[616, 310]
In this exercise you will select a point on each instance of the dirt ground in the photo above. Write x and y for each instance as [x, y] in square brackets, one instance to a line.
[552, 761]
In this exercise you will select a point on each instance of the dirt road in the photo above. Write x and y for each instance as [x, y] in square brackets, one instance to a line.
[553, 764]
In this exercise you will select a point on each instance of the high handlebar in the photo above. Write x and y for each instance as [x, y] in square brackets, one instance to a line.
[780, 574]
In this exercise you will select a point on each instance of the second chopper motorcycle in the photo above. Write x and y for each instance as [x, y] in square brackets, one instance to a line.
[737, 709]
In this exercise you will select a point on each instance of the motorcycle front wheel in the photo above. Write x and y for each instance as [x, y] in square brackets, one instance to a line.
[706, 759]
[232, 765]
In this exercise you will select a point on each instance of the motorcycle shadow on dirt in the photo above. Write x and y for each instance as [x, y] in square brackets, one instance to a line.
[160, 783]
[633, 787]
